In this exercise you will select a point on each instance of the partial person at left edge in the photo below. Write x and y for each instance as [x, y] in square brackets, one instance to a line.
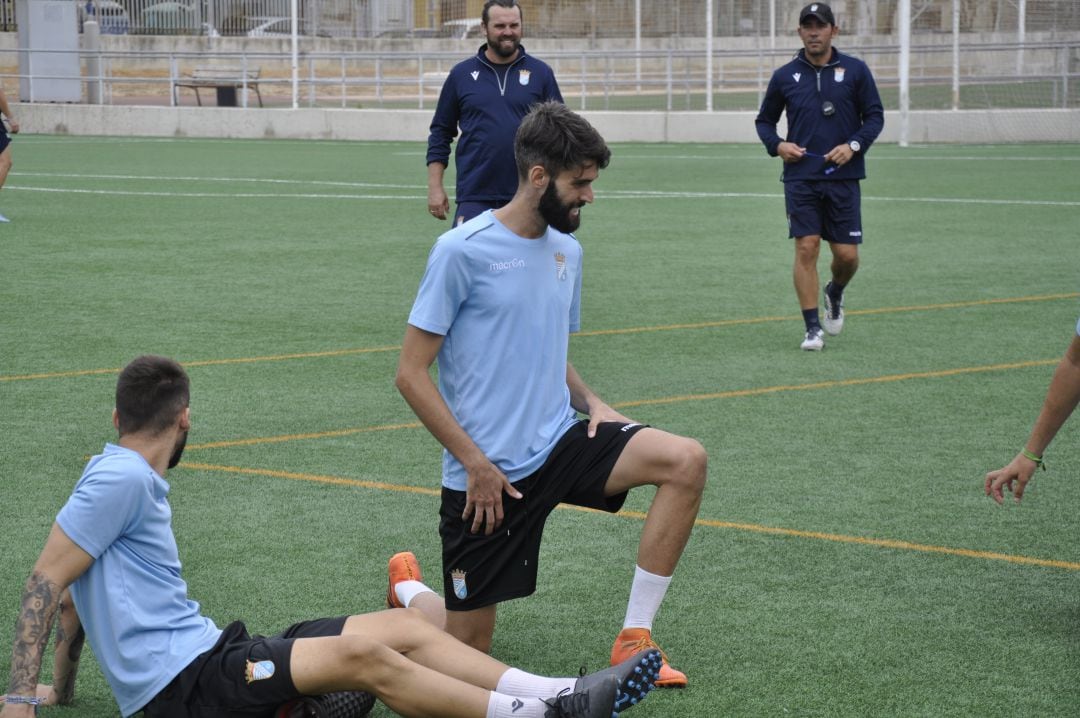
[485, 97]
[5, 142]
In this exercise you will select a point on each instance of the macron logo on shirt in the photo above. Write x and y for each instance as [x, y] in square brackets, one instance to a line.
[507, 265]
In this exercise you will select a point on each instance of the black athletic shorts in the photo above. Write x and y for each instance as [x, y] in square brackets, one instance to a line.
[242, 676]
[480, 569]
[831, 209]
[467, 210]
[5, 139]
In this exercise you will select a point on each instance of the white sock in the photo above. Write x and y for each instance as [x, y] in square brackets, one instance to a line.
[501, 705]
[406, 591]
[527, 685]
[646, 594]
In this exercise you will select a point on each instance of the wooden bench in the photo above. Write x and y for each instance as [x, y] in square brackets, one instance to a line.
[225, 80]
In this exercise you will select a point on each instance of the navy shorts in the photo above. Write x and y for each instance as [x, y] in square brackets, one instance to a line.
[467, 210]
[5, 138]
[242, 676]
[478, 569]
[830, 209]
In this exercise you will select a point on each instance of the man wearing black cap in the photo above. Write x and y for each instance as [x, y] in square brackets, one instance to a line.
[834, 114]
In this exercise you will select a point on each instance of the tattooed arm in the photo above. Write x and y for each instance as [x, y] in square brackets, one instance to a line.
[60, 563]
[69, 644]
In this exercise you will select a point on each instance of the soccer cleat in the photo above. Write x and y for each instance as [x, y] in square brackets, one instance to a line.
[402, 567]
[637, 676]
[814, 341]
[634, 640]
[597, 700]
[833, 321]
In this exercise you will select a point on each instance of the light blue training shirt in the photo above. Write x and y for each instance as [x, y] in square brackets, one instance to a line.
[505, 306]
[134, 607]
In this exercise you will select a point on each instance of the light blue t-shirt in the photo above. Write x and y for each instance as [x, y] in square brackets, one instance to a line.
[506, 306]
[134, 607]
[1078, 326]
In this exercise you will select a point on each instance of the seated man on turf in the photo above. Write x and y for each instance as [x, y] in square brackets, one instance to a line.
[113, 551]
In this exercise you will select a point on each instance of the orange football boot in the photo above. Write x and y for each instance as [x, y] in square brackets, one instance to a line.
[402, 567]
[633, 640]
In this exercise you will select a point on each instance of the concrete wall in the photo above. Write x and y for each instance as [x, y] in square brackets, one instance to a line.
[926, 127]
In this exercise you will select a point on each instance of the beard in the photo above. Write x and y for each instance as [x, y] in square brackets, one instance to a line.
[504, 52]
[178, 451]
[558, 213]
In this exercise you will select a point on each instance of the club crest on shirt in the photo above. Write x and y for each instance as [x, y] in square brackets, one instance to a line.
[838, 74]
[457, 577]
[258, 671]
[523, 77]
[560, 266]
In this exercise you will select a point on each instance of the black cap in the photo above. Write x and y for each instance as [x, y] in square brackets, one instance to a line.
[819, 10]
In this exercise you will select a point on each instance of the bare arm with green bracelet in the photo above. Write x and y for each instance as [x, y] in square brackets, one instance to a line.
[1061, 399]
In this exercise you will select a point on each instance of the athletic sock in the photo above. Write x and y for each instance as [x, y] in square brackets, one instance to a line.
[646, 594]
[501, 705]
[406, 591]
[527, 685]
[835, 290]
[810, 317]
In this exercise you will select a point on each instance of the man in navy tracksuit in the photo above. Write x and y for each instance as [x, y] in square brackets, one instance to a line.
[486, 95]
[834, 114]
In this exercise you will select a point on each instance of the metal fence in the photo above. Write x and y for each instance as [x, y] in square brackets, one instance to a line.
[986, 54]
[568, 19]
[626, 80]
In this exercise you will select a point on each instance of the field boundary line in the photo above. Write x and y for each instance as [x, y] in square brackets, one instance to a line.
[731, 394]
[895, 544]
[835, 383]
[209, 362]
[591, 333]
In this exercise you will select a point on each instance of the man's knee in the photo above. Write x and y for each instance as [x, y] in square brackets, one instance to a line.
[807, 249]
[683, 464]
[475, 633]
[692, 464]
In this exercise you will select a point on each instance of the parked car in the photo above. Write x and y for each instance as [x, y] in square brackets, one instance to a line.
[271, 27]
[170, 18]
[111, 17]
[464, 29]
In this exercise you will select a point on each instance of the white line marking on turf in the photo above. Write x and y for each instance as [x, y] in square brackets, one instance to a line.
[613, 195]
[217, 195]
[152, 178]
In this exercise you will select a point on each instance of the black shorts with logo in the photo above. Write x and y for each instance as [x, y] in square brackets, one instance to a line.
[242, 676]
[480, 569]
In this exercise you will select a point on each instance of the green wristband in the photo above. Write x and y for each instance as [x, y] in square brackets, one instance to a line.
[1037, 459]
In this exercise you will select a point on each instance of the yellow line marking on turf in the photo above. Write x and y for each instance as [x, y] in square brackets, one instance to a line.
[317, 478]
[850, 313]
[211, 362]
[302, 437]
[593, 333]
[936, 374]
[734, 393]
[638, 515]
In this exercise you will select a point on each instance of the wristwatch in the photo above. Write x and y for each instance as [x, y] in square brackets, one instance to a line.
[854, 145]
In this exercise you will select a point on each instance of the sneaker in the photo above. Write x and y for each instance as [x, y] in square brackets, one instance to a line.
[637, 676]
[595, 701]
[402, 567]
[833, 321]
[634, 640]
[815, 340]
